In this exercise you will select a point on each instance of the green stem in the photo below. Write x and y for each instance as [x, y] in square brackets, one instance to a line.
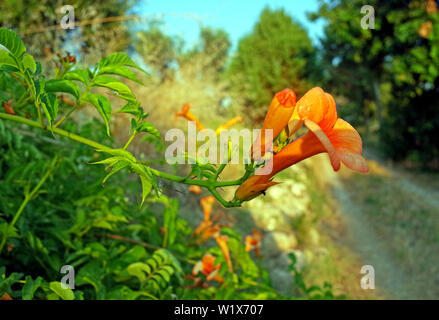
[27, 198]
[210, 185]
[64, 117]
[62, 132]
[220, 169]
[129, 140]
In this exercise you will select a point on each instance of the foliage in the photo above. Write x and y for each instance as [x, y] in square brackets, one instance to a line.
[278, 54]
[54, 211]
[91, 40]
[396, 59]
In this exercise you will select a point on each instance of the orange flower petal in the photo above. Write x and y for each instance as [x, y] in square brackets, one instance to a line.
[253, 187]
[228, 124]
[222, 244]
[323, 138]
[316, 106]
[276, 119]
[195, 189]
[207, 203]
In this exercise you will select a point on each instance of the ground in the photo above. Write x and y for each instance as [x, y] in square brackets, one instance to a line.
[337, 222]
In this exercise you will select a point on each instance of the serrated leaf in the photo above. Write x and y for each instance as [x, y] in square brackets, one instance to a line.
[40, 84]
[29, 63]
[148, 128]
[131, 108]
[7, 60]
[78, 75]
[66, 86]
[49, 102]
[118, 58]
[111, 83]
[102, 105]
[63, 292]
[119, 71]
[117, 63]
[11, 41]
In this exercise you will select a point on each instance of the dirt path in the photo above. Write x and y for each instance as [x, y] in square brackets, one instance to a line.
[392, 223]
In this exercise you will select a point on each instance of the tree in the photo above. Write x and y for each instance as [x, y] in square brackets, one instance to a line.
[278, 54]
[158, 50]
[35, 22]
[400, 54]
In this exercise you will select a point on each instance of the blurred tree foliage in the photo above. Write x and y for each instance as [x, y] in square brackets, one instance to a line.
[33, 19]
[216, 44]
[388, 74]
[158, 50]
[277, 54]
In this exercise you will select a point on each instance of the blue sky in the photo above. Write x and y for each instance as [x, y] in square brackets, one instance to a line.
[237, 17]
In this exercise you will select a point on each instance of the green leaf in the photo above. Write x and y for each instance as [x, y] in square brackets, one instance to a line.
[146, 188]
[120, 71]
[66, 86]
[111, 83]
[102, 105]
[119, 153]
[170, 222]
[78, 75]
[11, 41]
[139, 270]
[118, 59]
[116, 168]
[148, 128]
[132, 108]
[49, 102]
[117, 63]
[63, 292]
[30, 286]
[110, 161]
[7, 60]
[29, 63]
[11, 232]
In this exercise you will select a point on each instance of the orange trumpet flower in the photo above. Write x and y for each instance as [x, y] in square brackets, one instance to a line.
[228, 124]
[207, 267]
[185, 113]
[253, 242]
[195, 189]
[276, 119]
[207, 204]
[222, 244]
[327, 133]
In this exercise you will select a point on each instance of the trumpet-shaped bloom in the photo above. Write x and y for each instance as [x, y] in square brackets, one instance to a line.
[207, 267]
[195, 189]
[188, 115]
[280, 111]
[229, 124]
[207, 203]
[253, 242]
[327, 133]
[222, 244]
